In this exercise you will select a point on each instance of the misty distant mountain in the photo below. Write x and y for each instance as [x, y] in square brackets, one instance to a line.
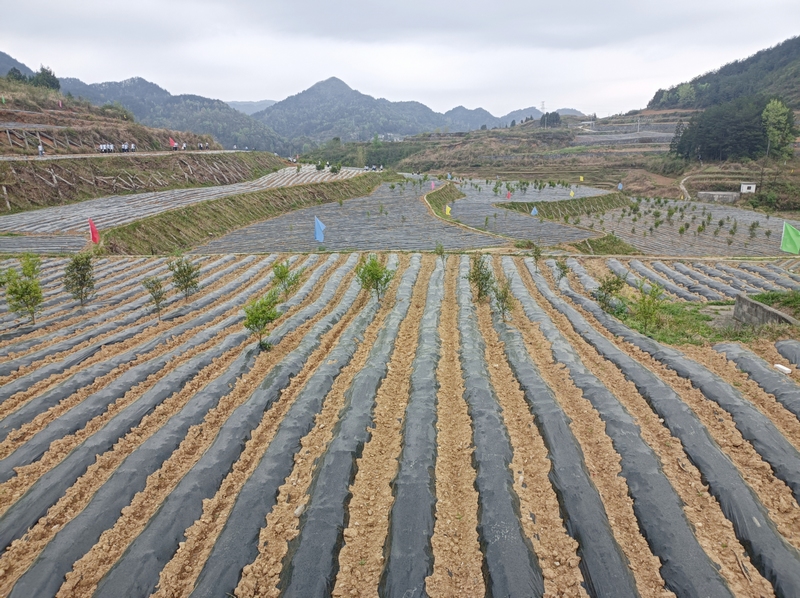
[7, 63]
[156, 107]
[250, 108]
[331, 109]
[569, 112]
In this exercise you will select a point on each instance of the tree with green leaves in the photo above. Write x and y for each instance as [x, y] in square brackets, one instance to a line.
[24, 293]
[373, 276]
[439, 251]
[185, 276]
[259, 314]
[778, 121]
[45, 78]
[480, 275]
[648, 305]
[79, 277]
[286, 280]
[504, 299]
[157, 293]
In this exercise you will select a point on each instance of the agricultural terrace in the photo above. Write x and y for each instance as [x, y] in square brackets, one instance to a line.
[418, 445]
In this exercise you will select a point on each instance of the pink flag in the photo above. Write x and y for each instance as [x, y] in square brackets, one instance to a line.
[172, 142]
[508, 195]
[433, 186]
[93, 231]
[59, 103]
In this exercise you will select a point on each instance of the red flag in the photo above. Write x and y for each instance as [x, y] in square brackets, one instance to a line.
[93, 231]
[508, 195]
[172, 142]
[59, 103]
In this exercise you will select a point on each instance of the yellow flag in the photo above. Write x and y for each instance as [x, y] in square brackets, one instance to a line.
[572, 194]
[447, 210]
[581, 178]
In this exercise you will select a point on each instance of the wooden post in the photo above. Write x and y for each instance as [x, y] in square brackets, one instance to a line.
[9, 139]
[5, 195]
[25, 139]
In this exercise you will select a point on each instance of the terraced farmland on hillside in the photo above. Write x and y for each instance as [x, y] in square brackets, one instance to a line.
[419, 444]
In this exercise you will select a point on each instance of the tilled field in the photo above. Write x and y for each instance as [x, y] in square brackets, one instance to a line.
[415, 446]
[116, 210]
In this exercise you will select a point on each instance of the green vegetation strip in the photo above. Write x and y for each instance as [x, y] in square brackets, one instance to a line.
[189, 227]
[788, 301]
[441, 197]
[557, 210]
[608, 245]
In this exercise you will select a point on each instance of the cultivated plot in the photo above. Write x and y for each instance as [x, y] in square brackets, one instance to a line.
[420, 445]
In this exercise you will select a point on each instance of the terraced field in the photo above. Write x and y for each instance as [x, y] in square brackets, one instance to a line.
[122, 209]
[415, 446]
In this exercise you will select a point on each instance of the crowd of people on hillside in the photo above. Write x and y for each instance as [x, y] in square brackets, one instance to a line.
[110, 148]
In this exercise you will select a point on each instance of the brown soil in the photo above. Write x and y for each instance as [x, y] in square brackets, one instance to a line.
[361, 558]
[457, 555]
[714, 532]
[260, 578]
[88, 571]
[180, 574]
[773, 493]
[602, 461]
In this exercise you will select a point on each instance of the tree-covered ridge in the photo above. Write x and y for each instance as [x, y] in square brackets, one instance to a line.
[771, 72]
[156, 107]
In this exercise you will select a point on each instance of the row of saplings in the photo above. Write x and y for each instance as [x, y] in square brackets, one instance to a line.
[24, 291]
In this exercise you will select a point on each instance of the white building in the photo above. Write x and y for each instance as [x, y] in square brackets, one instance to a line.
[748, 188]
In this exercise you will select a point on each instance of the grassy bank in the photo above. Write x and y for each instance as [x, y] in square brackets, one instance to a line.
[32, 184]
[441, 197]
[608, 245]
[192, 226]
[559, 210]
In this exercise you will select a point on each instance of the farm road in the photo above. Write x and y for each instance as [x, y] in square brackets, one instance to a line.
[389, 219]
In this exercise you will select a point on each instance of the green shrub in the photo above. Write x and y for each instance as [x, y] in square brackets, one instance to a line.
[79, 277]
[259, 314]
[480, 276]
[185, 276]
[157, 293]
[373, 276]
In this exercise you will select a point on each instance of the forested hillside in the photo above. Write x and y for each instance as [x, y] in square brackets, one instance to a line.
[156, 107]
[771, 72]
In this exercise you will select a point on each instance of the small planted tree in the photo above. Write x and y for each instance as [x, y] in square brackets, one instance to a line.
[157, 293]
[374, 276]
[259, 314]
[561, 269]
[185, 276]
[503, 298]
[439, 251]
[286, 280]
[23, 293]
[79, 277]
[480, 276]
[648, 305]
[610, 286]
[536, 254]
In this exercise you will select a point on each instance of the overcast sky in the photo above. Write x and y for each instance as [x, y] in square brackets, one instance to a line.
[604, 57]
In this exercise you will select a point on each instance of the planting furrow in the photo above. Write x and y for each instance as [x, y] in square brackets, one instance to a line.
[754, 426]
[686, 569]
[590, 284]
[510, 565]
[633, 281]
[782, 272]
[770, 275]
[134, 470]
[712, 529]
[458, 561]
[136, 572]
[721, 287]
[785, 391]
[790, 350]
[313, 565]
[769, 552]
[756, 281]
[409, 556]
[105, 322]
[693, 286]
[663, 282]
[367, 529]
[83, 377]
[261, 577]
[225, 538]
[129, 477]
[731, 280]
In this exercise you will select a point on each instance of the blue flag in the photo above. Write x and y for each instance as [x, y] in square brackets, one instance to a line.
[619, 186]
[534, 211]
[319, 229]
